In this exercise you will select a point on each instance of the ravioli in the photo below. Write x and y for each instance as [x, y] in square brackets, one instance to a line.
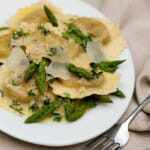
[78, 89]
[116, 46]
[93, 26]
[5, 47]
[104, 32]
[19, 90]
[33, 14]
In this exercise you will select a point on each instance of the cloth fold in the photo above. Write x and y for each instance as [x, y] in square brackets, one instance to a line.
[133, 18]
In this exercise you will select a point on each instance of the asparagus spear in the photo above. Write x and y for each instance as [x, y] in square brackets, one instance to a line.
[29, 73]
[1, 93]
[76, 34]
[45, 111]
[80, 72]
[75, 30]
[41, 77]
[102, 98]
[108, 66]
[78, 113]
[4, 28]
[68, 35]
[69, 106]
[50, 16]
[88, 102]
[119, 93]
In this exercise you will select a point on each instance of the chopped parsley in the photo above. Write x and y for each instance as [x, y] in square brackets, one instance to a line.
[16, 106]
[13, 82]
[43, 29]
[8, 45]
[30, 93]
[18, 34]
[1, 93]
[96, 73]
[66, 94]
[53, 51]
[34, 107]
[46, 101]
[57, 117]
[52, 79]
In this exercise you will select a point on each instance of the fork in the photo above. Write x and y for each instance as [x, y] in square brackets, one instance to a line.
[116, 137]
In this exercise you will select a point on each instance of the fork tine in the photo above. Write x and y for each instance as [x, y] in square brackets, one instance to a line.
[118, 148]
[94, 142]
[103, 144]
[111, 146]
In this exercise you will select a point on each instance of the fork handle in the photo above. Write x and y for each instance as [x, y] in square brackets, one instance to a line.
[137, 110]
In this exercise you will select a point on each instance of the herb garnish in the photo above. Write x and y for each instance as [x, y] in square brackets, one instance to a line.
[13, 82]
[46, 101]
[96, 73]
[30, 93]
[57, 117]
[8, 45]
[52, 81]
[66, 94]
[43, 29]
[53, 51]
[1, 93]
[16, 106]
[52, 78]
[18, 34]
[34, 107]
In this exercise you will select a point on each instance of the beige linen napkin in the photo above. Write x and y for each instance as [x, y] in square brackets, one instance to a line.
[133, 16]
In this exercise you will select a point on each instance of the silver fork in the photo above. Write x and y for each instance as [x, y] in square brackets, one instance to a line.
[116, 137]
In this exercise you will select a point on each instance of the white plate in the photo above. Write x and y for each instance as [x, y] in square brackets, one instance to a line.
[94, 122]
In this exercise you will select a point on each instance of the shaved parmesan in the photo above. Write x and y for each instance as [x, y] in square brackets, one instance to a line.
[61, 55]
[96, 52]
[58, 70]
[18, 61]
